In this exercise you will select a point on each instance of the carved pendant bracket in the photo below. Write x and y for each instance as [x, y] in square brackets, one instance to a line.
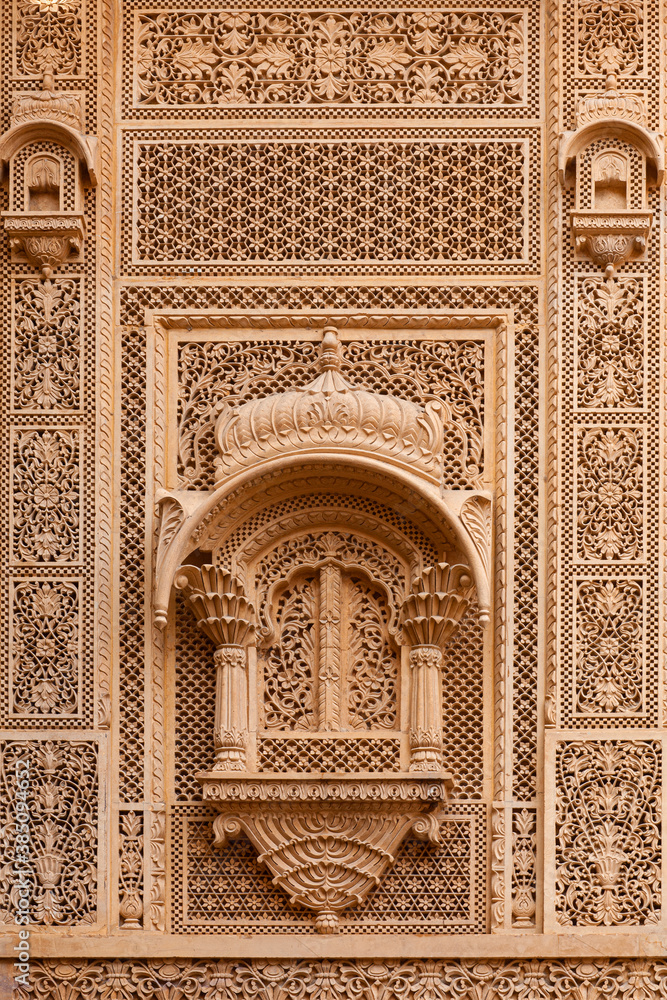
[327, 841]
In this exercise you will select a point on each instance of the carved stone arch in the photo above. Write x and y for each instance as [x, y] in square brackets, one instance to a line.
[214, 514]
[366, 553]
[240, 547]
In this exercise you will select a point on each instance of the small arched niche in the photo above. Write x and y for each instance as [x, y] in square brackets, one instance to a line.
[43, 183]
[609, 177]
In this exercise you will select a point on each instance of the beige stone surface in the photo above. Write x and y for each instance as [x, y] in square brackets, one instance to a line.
[332, 628]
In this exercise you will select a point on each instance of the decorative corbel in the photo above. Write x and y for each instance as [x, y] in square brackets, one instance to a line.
[222, 612]
[431, 614]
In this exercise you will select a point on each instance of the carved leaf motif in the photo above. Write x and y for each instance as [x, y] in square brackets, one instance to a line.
[63, 808]
[357, 58]
[608, 838]
[476, 516]
[193, 58]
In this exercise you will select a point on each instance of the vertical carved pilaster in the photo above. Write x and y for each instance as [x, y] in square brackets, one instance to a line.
[426, 708]
[222, 612]
[231, 708]
[430, 616]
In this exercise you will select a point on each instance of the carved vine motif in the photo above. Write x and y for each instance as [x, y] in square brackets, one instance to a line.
[46, 345]
[610, 497]
[528, 979]
[609, 672]
[372, 664]
[610, 36]
[45, 674]
[610, 343]
[63, 807]
[332, 637]
[48, 36]
[250, 58]
[290, 671]
[349, 201]
[213, 373]
[608, 838]
[45, 499]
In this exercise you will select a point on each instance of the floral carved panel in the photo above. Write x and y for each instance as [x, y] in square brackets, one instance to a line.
[283, 57]
[48, 36]
[45, 648]
[45, 514]
[608, 839]
[610, 37]
[61, 795]
[610, 348]
[609, 672]
[610, 502]
[46, 344]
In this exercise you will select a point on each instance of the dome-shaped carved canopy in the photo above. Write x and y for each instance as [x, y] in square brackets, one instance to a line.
[330, 414]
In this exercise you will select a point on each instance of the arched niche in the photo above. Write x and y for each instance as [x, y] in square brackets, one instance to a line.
[329, 569]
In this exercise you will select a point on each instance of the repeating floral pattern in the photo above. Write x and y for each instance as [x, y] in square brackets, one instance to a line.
[608, 833]
[609, 659]
[343, 201]
[426, 57]
[63, 808]
[610, 353]
[45, 639]
[187, 979]
[46, 498]
[610, 493]
[46, 362]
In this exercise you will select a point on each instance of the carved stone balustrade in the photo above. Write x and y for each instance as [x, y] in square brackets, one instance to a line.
[431, 615]
[217, 601]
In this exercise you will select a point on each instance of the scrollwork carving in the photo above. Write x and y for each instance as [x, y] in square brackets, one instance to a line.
[46, 498]
[610, 493]
[251, 58]
[63, 808]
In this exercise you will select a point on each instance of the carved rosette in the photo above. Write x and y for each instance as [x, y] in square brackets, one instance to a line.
[327, 842]
[430, 616]
[222, 612]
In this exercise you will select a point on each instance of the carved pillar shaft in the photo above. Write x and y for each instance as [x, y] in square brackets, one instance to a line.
[231, 708]
[426, 709]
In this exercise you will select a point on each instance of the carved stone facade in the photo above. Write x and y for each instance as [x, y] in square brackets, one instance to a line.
[332, 593]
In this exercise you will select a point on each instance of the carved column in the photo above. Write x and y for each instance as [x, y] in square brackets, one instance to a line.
[222, 612]
[430, 616]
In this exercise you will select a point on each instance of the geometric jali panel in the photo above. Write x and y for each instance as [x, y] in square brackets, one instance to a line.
[386, 201]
